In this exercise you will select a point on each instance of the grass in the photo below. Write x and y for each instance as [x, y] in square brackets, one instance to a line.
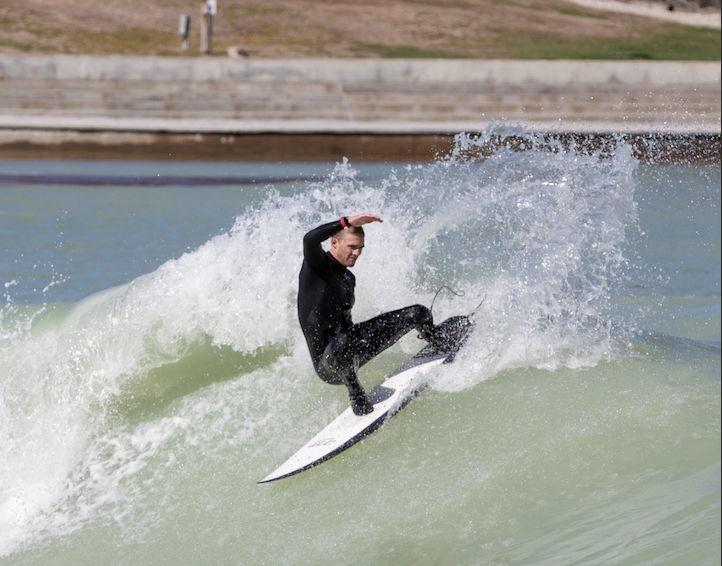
[648, 41]
[126, 42]
[405, 52]
[574, 12]
[668, 42]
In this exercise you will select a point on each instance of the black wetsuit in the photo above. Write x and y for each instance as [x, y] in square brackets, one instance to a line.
[339, 347]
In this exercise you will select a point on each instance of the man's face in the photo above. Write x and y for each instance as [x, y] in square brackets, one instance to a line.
[347, 249]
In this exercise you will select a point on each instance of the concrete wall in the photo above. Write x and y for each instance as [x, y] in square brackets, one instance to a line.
[355, 96]
[384, 71]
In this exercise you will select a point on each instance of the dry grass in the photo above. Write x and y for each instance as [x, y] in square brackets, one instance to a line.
[374, 28]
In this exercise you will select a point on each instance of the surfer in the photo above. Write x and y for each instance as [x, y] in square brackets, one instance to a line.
[339, 347]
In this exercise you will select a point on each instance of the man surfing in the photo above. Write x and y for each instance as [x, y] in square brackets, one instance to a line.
[339, 347]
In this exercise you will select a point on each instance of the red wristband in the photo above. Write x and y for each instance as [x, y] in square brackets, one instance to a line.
[344, 222]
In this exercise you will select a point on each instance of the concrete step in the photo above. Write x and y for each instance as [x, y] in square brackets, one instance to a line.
[397, 101]
[360, 91]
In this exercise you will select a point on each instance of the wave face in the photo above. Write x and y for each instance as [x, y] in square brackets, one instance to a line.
[125, 410]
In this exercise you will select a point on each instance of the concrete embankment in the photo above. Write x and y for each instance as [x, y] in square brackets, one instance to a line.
[131, 107]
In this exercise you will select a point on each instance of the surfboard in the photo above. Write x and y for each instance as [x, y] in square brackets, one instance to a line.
[388, 397]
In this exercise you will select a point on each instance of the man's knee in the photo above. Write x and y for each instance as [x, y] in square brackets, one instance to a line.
[424, 322]
[421, 315]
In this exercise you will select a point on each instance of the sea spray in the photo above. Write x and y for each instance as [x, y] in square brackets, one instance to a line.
[539, 234]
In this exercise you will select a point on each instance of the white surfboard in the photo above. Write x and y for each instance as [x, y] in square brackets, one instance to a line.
[391, 395]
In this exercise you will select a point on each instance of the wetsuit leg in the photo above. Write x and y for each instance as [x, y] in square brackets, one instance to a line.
[373, 336]
[338, 365]
[348, 351]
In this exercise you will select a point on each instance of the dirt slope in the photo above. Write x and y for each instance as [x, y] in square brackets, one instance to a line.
[343, 28]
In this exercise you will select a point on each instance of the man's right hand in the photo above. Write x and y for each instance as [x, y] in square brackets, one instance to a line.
[361, 219]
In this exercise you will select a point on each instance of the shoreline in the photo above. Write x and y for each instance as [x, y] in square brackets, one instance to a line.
[305, 147]
[238, 127]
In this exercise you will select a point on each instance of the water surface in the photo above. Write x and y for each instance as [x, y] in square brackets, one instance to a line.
[152, 369]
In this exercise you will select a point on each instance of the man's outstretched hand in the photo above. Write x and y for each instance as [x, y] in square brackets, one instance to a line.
[361, 219]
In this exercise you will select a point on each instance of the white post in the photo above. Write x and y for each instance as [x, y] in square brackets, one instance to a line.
[184, 28]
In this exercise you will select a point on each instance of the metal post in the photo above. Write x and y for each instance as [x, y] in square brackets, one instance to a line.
[210, 33]
[211, 10]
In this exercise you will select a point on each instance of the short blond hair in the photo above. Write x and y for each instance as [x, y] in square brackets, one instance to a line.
[355, 230]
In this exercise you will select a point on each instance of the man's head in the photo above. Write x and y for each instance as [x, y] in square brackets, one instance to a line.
[347, 245]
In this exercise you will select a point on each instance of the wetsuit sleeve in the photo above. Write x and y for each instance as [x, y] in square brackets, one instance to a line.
[312, 251]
